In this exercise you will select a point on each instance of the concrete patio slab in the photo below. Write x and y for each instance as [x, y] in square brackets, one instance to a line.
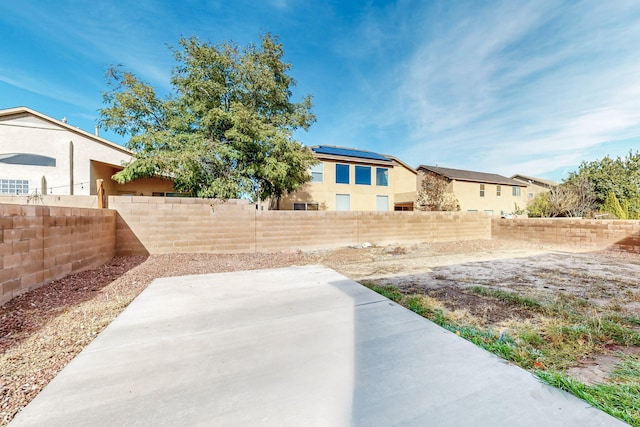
[290, 347]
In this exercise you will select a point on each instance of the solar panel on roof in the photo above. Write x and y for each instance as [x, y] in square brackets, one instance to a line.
[349, 152]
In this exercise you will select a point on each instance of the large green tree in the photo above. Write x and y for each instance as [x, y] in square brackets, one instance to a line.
[225, 130]
[620, 176]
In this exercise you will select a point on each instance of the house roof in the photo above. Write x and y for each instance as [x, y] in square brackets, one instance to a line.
[349, 152]
[22, 111]
[533, 180]
[471, 176]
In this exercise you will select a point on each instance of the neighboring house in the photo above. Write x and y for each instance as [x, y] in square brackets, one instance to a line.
[478, 191]
[535, 186]
[39, 154]
[347, 179]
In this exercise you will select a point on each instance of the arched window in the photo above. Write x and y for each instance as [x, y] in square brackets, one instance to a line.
[27, 159]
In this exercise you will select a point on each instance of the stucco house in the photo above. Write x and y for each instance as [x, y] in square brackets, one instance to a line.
[42, 155]
[478, 191]
[535, 185]
[348, 179]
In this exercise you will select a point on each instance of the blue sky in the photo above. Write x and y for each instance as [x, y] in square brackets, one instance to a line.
[496, 86]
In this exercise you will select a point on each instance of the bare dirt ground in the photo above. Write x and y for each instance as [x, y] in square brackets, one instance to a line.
[41, 331]
[445, 272]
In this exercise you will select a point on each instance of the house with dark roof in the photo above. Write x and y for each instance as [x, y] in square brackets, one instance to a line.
[349, 179]
[479, 191]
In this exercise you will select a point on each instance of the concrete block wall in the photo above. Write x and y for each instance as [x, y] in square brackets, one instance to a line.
[162, 225]
[579, 233]
[43, 243]
[152, 225]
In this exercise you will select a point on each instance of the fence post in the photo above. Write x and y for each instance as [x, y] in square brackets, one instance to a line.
[100, 186]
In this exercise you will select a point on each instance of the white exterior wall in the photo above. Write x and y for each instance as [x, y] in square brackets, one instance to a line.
[30, 134]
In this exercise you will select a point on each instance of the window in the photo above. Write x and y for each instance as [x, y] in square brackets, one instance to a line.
[316, 172]
[382, 177]
[342, 174]
[27, 159]
[498, 191]
[363, 175]
[531, 195]
[343, 202]
[382, 203]
[481, 190]
[515, 191]
[305, 206]
[14, 186]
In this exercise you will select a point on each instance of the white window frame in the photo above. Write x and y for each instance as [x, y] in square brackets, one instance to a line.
[317, 172]
[344, 197]
[14, 187]
[380, 198]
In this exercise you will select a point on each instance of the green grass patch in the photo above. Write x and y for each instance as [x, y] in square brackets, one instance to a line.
[628, 370]
[566, 329]
[507, 296]
[620, 400]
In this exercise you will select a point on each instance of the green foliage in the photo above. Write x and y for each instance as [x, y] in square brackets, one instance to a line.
[517, 210]
[540, 207]
[620, 176]
[620, 400]
[507, 296]
[573, 198]
[612, 206]
[225, 130]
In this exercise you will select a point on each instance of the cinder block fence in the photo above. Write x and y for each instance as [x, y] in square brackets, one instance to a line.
[164, 225]
[580, 233]
[42, 243]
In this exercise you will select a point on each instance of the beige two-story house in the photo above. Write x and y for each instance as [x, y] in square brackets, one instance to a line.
[478, 191]
[348, 179]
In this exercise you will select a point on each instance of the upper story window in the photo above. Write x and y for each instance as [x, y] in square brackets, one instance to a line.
[498, 191]
[27, 159]
[363, 175]
[317, 172]
[14, 186]
[515, 191]
[382, 177]
[481, 190]
[342, 174]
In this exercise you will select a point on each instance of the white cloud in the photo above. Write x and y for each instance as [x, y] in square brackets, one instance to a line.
[523, 87]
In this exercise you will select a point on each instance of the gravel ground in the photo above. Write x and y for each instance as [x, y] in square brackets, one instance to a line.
[42, 330]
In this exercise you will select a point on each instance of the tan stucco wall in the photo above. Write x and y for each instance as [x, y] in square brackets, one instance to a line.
[468, 194]
[402, 184]
[33, 135]
[139, 187]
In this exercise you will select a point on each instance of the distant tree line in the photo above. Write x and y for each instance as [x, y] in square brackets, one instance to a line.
[601, 188]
